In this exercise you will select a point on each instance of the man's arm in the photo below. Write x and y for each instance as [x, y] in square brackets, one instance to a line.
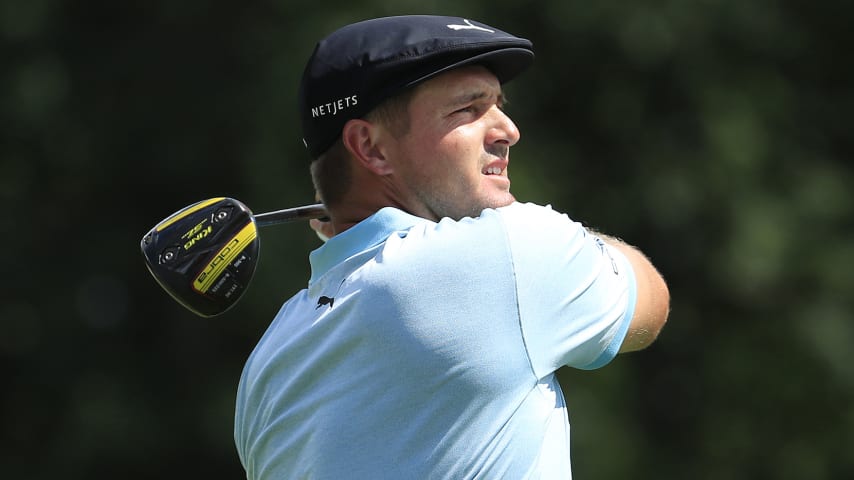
[653, 298]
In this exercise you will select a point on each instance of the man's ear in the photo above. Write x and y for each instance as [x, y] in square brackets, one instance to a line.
[363, 140]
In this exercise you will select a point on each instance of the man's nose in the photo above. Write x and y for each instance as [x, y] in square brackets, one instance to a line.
[502, 129]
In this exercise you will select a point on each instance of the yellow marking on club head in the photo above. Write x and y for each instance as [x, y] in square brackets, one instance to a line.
[224, 257]
[186, 211]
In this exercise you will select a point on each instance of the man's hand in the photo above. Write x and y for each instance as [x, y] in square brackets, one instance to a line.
[323, 228]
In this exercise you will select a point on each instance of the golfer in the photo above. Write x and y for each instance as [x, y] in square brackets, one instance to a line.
[426, 343]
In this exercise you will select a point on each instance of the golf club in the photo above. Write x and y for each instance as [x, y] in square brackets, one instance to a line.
[205, 254]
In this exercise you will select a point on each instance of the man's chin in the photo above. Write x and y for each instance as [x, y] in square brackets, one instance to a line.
[505, 199]
[500, 200]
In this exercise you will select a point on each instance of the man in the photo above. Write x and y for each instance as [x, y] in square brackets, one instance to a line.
[427, 341]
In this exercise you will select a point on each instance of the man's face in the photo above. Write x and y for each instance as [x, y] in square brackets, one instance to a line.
[453, 160]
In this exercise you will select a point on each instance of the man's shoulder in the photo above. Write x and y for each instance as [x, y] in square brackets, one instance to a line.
[528, 212]
[538, 228]
[492, 225]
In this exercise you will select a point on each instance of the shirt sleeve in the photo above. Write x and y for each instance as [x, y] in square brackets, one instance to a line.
[575, 294]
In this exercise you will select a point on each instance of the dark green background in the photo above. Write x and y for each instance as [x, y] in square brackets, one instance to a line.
[715, 135]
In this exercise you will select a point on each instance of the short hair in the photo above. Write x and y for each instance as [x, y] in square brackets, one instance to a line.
[393, 113]
[331, 171]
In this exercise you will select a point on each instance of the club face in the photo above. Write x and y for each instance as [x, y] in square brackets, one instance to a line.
[204, 255]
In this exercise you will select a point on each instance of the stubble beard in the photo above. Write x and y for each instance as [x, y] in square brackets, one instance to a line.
[458, 205]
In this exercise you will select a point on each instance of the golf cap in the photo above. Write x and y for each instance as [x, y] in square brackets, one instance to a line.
[358, 66]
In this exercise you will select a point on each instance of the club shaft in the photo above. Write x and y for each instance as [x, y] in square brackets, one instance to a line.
[305, 212]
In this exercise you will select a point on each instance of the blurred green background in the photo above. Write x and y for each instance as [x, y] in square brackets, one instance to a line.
[714, 134]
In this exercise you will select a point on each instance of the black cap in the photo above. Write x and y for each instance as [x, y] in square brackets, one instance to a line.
[358, 66]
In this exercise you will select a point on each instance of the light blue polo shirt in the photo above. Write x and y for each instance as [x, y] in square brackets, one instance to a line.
[428, 349]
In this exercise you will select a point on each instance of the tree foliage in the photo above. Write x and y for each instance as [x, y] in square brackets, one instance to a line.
[713, 134]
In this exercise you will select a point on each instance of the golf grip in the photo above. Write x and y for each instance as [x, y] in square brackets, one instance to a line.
[306, 212]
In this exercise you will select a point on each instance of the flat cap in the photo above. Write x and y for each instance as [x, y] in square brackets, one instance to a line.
[355, 68]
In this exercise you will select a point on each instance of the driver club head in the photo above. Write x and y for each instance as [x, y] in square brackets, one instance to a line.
[204, 255]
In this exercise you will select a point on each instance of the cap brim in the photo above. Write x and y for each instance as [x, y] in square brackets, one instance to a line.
[505, 64]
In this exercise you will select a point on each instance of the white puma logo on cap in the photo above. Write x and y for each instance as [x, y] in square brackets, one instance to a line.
[469, 26]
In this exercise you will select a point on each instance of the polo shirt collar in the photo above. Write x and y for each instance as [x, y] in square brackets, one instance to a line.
[366, 234]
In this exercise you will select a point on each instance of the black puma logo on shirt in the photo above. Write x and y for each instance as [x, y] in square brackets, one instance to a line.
[324, 300]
